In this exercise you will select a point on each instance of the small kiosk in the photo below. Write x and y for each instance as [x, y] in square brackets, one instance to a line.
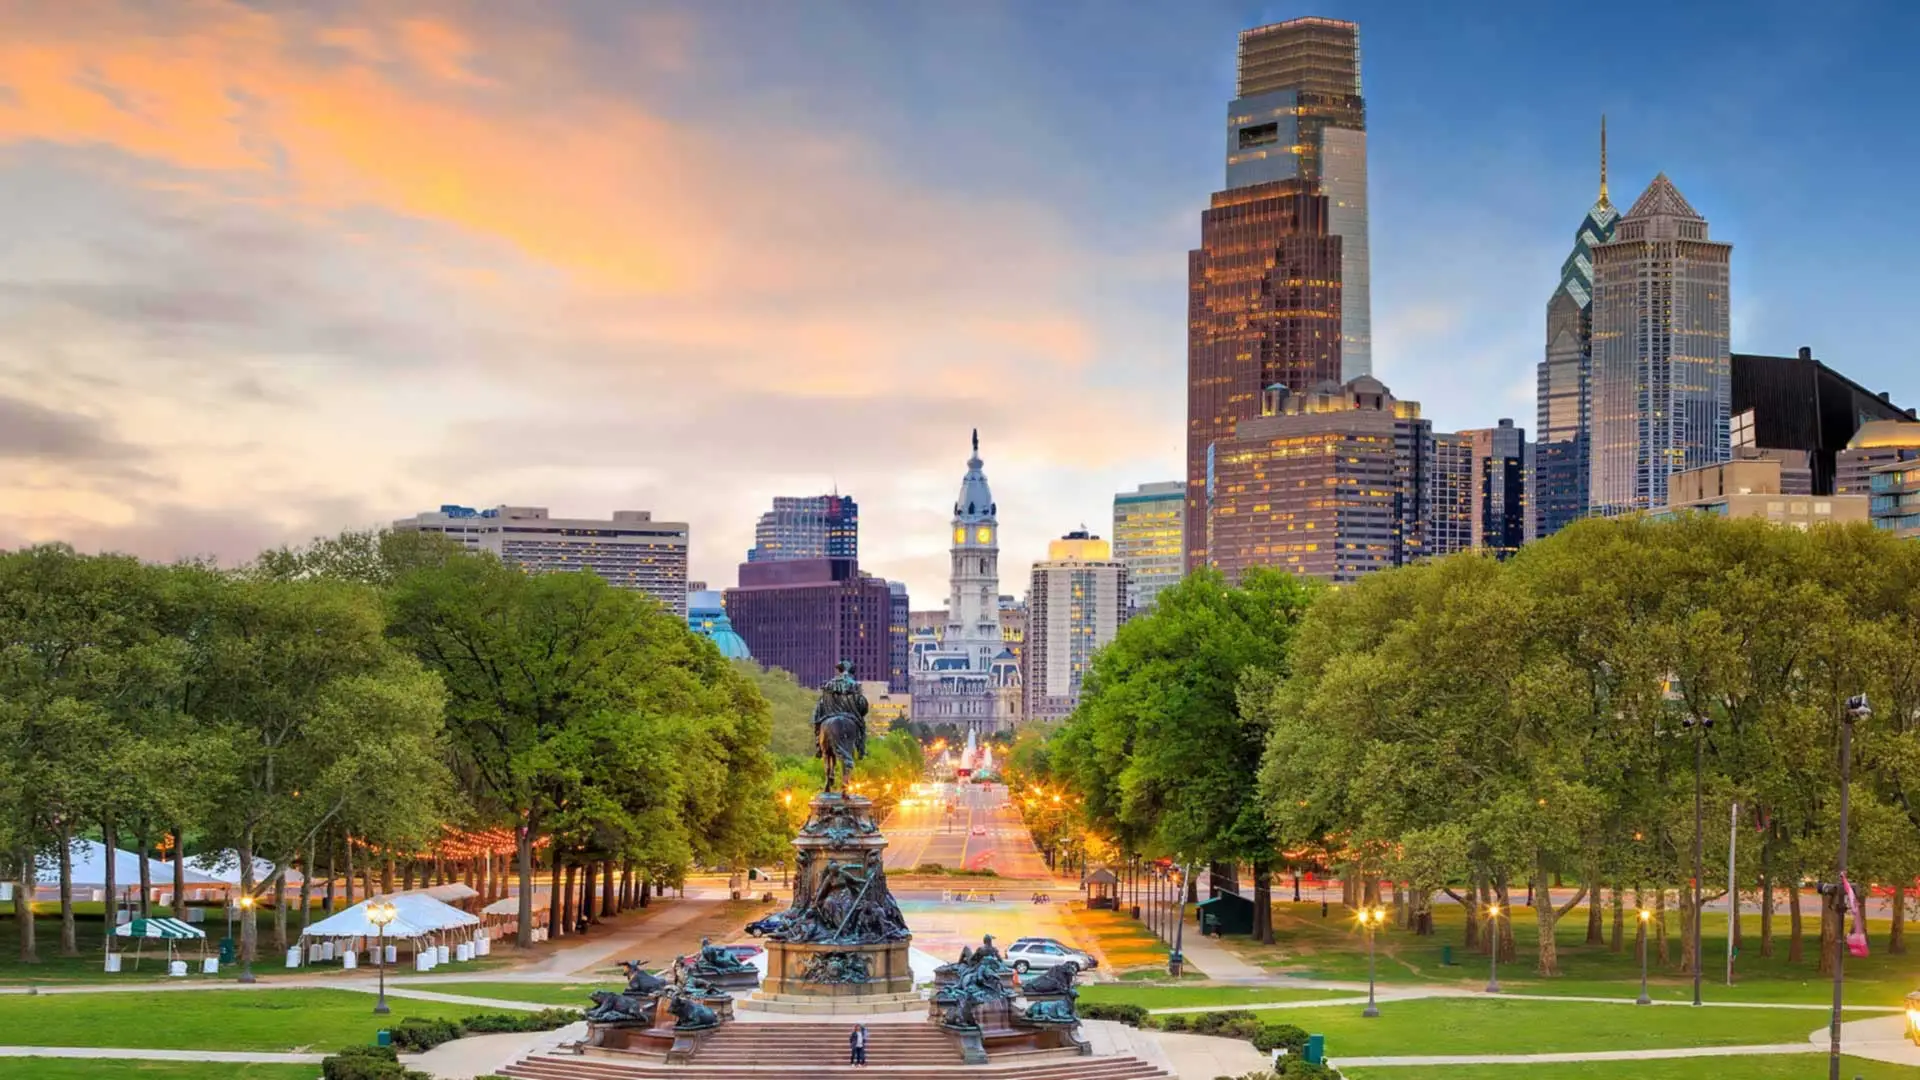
[1103, 890]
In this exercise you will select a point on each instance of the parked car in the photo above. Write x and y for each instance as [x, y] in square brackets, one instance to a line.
[1039, 954]
[744, 952]
[979, 830]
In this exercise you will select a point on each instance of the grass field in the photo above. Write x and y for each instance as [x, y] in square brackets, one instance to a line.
[1739, 1067]
[1126, 942]
[42, 1068]
[1200, 997]
[315, 1021]
[1496, 1026]
[543, 993]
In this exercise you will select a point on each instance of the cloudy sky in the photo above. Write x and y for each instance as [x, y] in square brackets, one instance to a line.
[270, 270]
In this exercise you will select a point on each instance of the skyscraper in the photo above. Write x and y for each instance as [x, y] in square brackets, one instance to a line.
[1077, 602]
[1564, 409]
[1149, 534]
[808, 527]
[1300, 114]
[806, 615]
[1660, 381]
[630, 551]
[1448, 528]
[1499, 490]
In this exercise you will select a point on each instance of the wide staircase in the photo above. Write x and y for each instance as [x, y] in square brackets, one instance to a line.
[747, 1050]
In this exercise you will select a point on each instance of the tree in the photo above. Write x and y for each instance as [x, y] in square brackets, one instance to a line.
[790, 707]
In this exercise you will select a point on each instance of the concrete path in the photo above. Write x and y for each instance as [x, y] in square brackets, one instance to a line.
[1591, 1055]
[1205, 1057]
[600, 949]
[236, 1057]
[1883, 1038]
[479, 1055]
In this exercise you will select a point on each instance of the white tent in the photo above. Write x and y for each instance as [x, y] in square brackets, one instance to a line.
[510, 905]
[425, 911]
[448, 893]
[225, 866]
[90, 868]
[353, 923]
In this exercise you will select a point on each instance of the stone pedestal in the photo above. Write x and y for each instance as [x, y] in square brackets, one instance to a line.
[820, 970]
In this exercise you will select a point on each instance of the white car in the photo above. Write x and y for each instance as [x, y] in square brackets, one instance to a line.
[1039, 954]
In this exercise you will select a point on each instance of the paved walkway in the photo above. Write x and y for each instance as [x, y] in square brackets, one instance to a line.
[1590, 1055]
[602, 948]
[1882, 1038]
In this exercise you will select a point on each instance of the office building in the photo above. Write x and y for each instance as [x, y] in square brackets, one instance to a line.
[1748, 486]
[1564, 407]
[1300, 116]
[899, 660]
[1149, 536]
[1450, 500]
[1013, 632]
[1878, 443]
[806, 615]
[1076, 604]
[808, 527]
[707, 616]
[1499, 513]
[629, 551]
[1894, 494]
[969, 678]
[1659, 388]
[1797, 403]
[1330, 483]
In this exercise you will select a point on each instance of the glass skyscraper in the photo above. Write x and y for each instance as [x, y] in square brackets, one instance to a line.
[807, 527]
[1149, 536]
[1565, 408]
[1660, 386]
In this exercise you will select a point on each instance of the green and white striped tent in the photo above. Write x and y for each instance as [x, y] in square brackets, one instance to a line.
[171, 929]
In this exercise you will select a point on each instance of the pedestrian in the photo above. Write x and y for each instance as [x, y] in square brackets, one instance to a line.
[857, 1045]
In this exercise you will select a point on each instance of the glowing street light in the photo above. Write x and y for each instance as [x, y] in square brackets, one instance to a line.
[1643, 999]
[380, 913]
[1371, 919]
[1493, 941]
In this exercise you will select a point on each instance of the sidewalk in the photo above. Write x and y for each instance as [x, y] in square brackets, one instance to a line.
[599, 950]
[1592, 1055]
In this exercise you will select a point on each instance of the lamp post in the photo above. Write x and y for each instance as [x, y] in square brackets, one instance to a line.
[1370, 918]
[1174, 959]
[1493, 950]
[1643, 999]
[1857, 709]
[380, 913]
[246, 939]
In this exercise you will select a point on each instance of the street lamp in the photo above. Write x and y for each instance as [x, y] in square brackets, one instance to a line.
[380, 913]
[1175, 959]
[1643, 999]
[1371, 920]
[1699, 725]
[246, 939]
[1857, 709]
[1493, 942]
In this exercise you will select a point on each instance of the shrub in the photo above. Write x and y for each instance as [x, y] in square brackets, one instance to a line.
[368, 1063]
[1211, 1023]
[1275, 1036]
[1131, 1015]
[415, 1035]
[548, 1019]
[495, 1023]
[1173, 1022]
[1245, 1028]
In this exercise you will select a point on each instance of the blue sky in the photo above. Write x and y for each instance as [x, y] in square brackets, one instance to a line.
[283, 269]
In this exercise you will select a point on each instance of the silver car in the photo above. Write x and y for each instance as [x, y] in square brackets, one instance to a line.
[1039, 954]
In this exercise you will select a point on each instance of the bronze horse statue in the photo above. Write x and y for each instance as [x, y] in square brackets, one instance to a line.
[840, 726]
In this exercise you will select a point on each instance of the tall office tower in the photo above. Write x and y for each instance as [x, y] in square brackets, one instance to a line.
[807, 527]
[898, 612]
[630, 551]
[1331, 483]
[1499, 488]
[1659, 388]
[1450, 497]
[1300, 115]
[1077, 603]
[1560, 465]
[806, 615]
[1149, 532]
[970, 677]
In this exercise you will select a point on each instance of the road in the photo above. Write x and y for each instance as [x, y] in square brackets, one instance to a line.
[981, 831]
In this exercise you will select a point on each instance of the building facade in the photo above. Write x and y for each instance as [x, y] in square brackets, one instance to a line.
[1450, 503]
[1500, 481]
[899, 612]
[1799, 404]
[1076, 604]
[1894, 498]
[806, 615]
[629, 550]
[1149, 536]
[1876, 444]
[1749, 487]
[808, 527]
[1330, 483]
[968, 677]
[1564, 409]
[1660, 374]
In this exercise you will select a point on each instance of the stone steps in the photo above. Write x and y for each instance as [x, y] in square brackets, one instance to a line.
[826, 1044]
[851, 1005]
[579, 1068]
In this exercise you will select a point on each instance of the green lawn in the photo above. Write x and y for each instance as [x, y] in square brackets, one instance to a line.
[272, 1020]
[1218, 997]
[1310, 946]
[546, 993]
[1496, 1026]
[72, 1069]
[1743, 1067]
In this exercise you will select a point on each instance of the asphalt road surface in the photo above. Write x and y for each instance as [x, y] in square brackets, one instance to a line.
[969, 826]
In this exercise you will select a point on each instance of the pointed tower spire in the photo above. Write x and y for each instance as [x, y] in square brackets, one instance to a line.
[1603, 157]
[976, 442]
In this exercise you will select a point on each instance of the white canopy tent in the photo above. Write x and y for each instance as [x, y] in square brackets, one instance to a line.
[423, 910]
[510, 905]
[225, 866]
[449, 893]
[353, 923]
[89, 869]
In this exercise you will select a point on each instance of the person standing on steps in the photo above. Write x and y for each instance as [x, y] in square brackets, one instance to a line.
[857, 1045]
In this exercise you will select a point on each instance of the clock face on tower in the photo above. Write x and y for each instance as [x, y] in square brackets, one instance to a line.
[960, 534]
[984, 535]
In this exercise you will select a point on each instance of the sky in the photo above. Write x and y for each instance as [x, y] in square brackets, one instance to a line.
[273, 270]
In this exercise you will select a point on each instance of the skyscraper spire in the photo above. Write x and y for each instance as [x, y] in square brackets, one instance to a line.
[1603, 157]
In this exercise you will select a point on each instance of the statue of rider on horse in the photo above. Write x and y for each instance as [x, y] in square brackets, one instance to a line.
[840, 726]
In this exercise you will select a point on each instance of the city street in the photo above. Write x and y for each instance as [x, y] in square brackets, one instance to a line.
[962, 826]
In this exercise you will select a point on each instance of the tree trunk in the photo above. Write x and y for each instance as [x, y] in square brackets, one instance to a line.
[23, 907]
[626, 885]
[1660, 925]
[349, 855]
[1796, 944]
[556, 914]
[609, 900]
[386, 874]
[588, 915]
[1548, 961]
[1766, 897]
[523, 868]
[1263, 901]
[1504, 930]
[1831, 919]
[646, 891]
[1688, 946]
[280, 912]
[69, 940]
[109, 840]
[1596, 915]
[306, 887]
[248, 930]
[567, 917]
[1897, 938]
[406, 876]
[141, 836]
[329, 900]
[179, 870]
[1619, 919]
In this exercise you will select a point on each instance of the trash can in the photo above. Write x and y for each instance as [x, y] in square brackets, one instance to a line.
[227, 953]
[1316, 1051]
[383, 1037]
[1446, 956]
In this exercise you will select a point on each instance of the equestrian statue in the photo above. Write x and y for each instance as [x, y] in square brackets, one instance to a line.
[840, 726]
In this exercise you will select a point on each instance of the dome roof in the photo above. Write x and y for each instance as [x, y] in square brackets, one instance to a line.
[975, 503]
[707, 616]
[731, 645]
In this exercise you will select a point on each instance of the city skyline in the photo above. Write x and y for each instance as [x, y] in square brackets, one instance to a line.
[254, 303]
